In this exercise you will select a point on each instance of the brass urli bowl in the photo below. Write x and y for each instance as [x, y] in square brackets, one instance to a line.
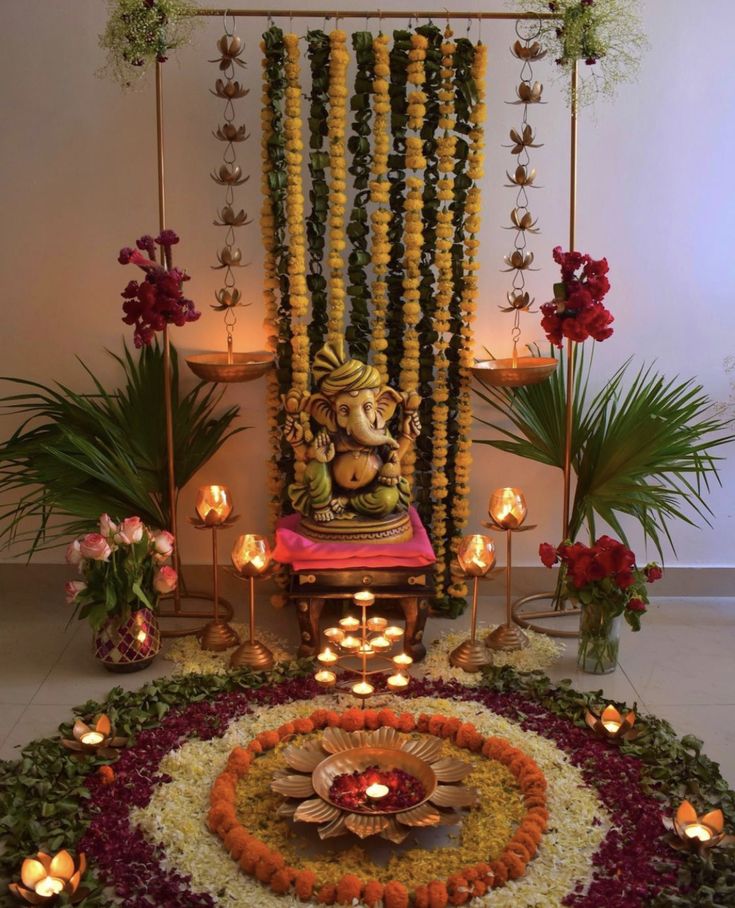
[313, 767]
[529, 370]
[243, 367]
[359, 759]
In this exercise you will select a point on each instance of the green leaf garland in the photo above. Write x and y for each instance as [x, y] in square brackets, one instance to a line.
[275, 57]
[358, 228]
[316, 222]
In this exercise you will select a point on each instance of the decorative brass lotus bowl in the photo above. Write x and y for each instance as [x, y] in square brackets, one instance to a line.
[337, 752]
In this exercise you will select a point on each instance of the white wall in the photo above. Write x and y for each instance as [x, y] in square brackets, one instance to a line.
[77, 165]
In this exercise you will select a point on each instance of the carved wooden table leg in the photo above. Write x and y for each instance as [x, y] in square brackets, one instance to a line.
[416, 610]
[309, 610]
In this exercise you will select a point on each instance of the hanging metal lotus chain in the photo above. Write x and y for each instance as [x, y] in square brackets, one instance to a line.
[229, 174]
[528, 50]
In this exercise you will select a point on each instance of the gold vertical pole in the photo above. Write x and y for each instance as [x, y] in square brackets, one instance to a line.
[508, 544]
[473, 629]
[252, 610]
[569, 414]
[215, 574]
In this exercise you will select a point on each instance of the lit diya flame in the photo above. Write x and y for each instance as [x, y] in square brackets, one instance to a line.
[612, 724]
[214, 506]
[691, 832]
[44, 878]
[317, 769]
[99, 739]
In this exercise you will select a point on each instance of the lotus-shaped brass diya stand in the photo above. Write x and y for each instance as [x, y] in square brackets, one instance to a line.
[98, 740]
[312, 799]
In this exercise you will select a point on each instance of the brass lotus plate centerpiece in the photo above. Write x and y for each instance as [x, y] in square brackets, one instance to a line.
[315, 766]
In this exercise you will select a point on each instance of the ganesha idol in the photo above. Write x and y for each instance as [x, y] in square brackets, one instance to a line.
[351, 487]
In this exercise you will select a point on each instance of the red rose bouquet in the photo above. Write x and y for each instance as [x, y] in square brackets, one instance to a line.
[576, 311]
[158, 300]
[607, 583]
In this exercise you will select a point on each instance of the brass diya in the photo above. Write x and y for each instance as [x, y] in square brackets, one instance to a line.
[230, 367]
[514, 373]
[338, 752]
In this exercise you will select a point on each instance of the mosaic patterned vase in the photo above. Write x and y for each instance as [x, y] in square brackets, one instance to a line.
[599, 640]
[130, 644]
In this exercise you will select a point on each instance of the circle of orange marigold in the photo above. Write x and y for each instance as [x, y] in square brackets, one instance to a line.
[268, 866]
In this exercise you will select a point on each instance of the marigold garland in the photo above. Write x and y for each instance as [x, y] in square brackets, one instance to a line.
[413, 237]
[468, 307]
[338, 63]
[446, 148]
[380, 217]
[257, 859]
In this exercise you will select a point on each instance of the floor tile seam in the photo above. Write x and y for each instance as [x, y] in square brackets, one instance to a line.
[63, 650]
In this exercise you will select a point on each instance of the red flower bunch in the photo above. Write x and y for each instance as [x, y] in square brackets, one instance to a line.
[349, 789]
[605, 572]
[577, 311]
[158, 300]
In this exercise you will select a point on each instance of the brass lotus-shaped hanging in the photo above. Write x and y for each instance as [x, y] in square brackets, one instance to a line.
[229, 175]
[315, 766]
[522, 176]
[532, 52]
[518, 260]
[229, 257]
[229, 90]
[230, 48]
[522, 219]
[529, 93]
[227, 298]
[99, 739]
[228, 132]
[521, 139]
[519, 300]
[228, 217]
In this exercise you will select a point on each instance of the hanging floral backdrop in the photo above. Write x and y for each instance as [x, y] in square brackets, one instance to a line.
[380, 246]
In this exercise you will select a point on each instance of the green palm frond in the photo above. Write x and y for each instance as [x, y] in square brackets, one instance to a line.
[75, 455]
[642, 446]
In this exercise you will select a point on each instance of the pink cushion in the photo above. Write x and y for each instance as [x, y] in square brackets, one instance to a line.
[305, 554]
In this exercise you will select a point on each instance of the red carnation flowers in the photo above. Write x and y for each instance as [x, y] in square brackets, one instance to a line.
[576, 311]
[606, 573]
[158, 300]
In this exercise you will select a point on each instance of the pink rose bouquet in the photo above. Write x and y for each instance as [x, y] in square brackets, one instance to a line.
[123, 569]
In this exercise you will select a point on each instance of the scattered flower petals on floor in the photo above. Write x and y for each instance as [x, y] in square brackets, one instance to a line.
[191, 659]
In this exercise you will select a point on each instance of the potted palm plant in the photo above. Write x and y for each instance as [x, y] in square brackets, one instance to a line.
[124, 572]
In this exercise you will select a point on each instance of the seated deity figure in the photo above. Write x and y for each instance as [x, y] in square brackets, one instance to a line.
[352, 485]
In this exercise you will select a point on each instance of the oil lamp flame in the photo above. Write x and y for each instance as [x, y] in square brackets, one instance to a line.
[376, 791]
[507, 508]
[214, 504]
[251, 555]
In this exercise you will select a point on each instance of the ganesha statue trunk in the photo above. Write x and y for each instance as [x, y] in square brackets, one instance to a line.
[352, 487]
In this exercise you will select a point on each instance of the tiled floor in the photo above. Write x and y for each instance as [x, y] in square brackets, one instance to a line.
[680, 667]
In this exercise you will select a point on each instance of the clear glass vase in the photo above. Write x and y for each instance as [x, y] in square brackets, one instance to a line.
[599, 639]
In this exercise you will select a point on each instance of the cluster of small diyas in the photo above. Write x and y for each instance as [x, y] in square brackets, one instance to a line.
[365, 639]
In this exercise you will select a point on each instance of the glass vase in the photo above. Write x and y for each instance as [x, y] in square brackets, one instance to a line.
[599, 639]
[128, 643]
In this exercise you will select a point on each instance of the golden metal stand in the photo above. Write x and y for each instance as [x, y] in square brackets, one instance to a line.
[471, 655]
[560, 610]
[507, 637]
[252, 653]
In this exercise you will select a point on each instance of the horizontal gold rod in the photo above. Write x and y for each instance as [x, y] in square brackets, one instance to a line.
[370, 14]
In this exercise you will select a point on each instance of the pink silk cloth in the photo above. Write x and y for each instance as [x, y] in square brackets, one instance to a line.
[308, 554]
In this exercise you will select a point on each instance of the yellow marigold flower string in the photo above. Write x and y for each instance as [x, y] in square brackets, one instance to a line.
[446, 146]
[338, 63]
[413, 231]
[379, 196]
[295, 221]
[468, 302]
[270, 290]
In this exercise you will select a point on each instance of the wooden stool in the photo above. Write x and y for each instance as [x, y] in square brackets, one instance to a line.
[411, 588]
